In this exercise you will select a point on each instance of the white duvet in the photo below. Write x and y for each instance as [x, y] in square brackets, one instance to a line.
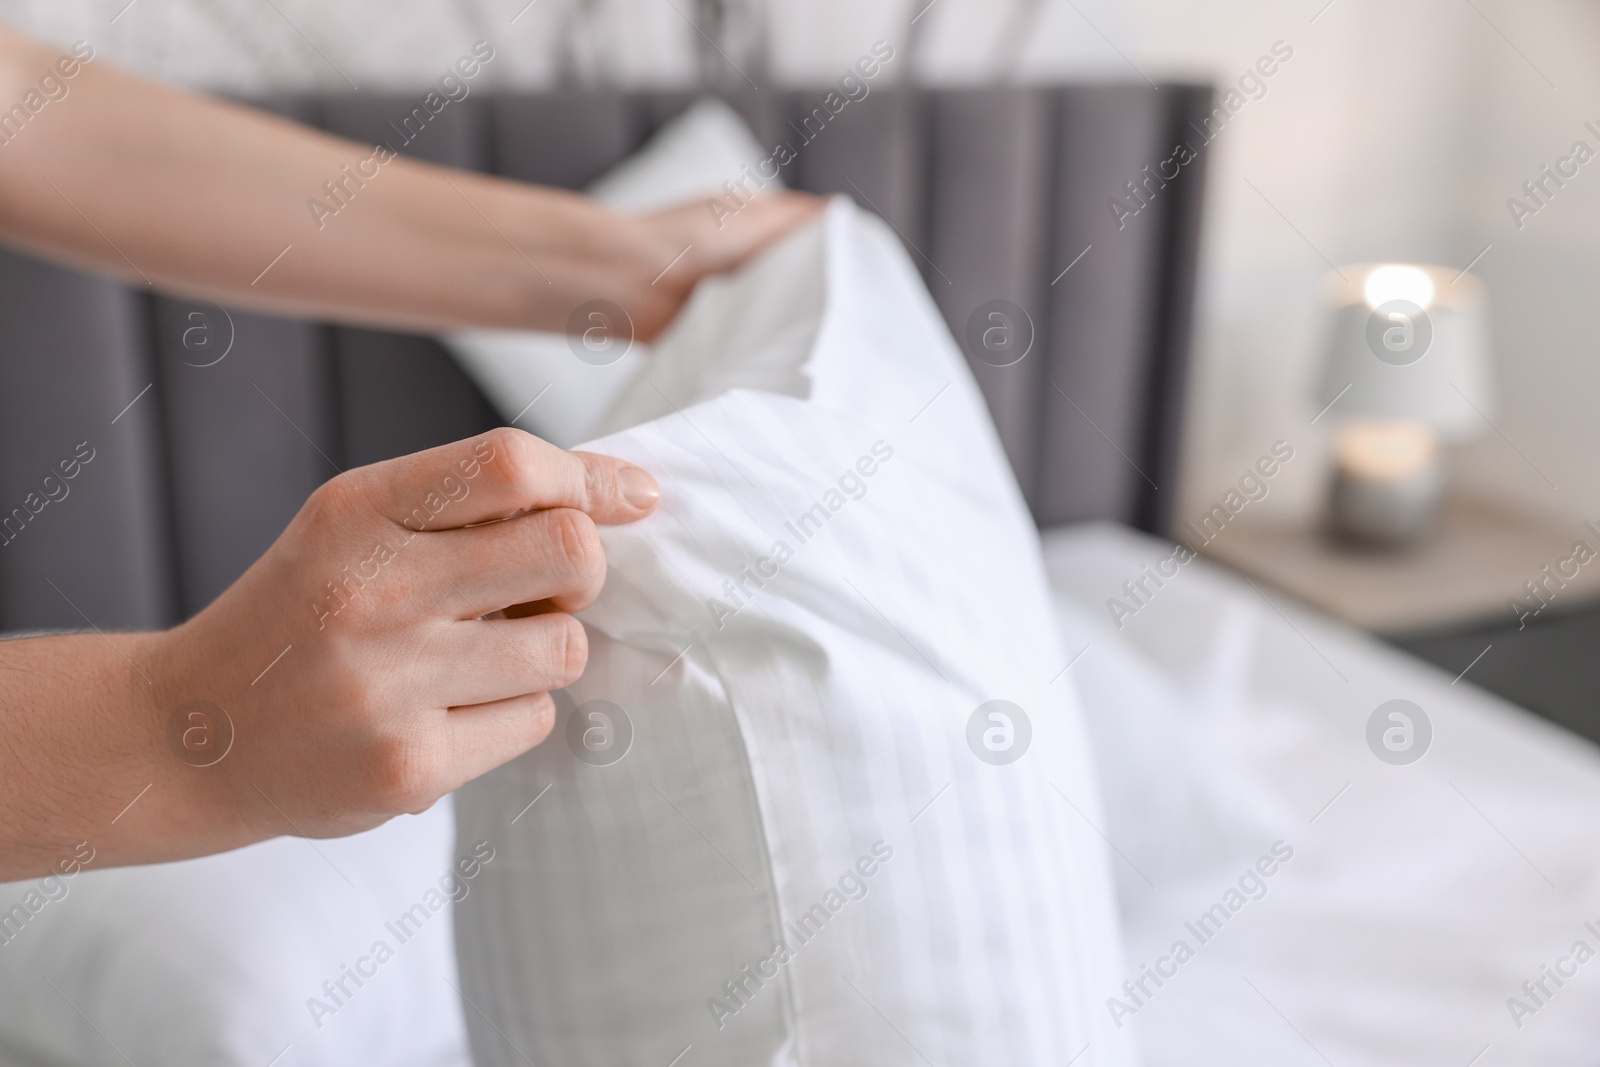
[1419, 898]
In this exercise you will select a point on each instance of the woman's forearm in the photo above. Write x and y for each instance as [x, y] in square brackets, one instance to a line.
[85, 775]
[199, 196]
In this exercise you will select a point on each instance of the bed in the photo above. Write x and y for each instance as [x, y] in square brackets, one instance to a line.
[1418, 899]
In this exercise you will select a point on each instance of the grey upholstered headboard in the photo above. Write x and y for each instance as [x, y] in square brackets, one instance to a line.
[998, 191]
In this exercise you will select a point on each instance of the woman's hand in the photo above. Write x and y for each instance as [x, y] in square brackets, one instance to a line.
[350, 675]
[203, 197]
[710, 243]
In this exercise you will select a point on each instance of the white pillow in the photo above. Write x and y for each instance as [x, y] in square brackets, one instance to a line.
[776, 822]
[690, 156]
[222, 961]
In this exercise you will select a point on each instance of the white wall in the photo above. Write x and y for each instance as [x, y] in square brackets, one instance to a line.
[1396, 131]
[1544, 277]
[1359, 152]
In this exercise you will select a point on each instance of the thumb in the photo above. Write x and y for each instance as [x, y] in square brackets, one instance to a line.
[615, 491]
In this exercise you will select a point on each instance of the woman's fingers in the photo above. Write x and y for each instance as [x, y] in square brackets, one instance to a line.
[340, 653]
[483, 736]
[552, 556]
[483, 660]
[498, 474]
[725, 241]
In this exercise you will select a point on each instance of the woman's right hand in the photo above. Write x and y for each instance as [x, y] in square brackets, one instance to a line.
[348, 676]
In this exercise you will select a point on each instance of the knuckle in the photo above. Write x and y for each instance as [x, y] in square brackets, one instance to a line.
[579, 543]
[403, 772]
[503, 440]
[516, 458]
[542, 718]
[569, 650]
[335, 499]
[600, 481]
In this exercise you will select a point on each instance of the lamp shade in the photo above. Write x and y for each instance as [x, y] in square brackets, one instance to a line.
[1408, 341]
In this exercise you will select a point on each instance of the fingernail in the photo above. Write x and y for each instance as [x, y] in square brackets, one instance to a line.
[639, 489]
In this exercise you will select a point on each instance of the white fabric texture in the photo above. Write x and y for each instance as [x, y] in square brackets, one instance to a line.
[531, 377]
[1419, 898]
[211, 962]
[841, 572]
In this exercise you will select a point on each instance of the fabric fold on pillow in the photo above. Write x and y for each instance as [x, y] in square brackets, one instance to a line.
[533, 378]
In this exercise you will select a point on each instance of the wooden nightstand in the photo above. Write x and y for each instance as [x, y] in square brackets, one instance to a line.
[1448, 600]
[1468, 572]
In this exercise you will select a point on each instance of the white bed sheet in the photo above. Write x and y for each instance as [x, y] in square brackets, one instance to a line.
[1419, 898]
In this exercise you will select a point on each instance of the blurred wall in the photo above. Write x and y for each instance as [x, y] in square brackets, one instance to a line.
[1398, 132]
[1394, 131]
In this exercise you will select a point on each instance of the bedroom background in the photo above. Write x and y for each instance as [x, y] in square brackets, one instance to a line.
[1395, 132]
[1385, 133]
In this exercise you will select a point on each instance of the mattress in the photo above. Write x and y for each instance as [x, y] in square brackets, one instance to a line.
[1443, 909]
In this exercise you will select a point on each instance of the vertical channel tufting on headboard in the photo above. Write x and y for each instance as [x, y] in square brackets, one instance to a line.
[990, 209]
[251, 430]
[875, 150]
[75, 369]
[1093, 402]
[400, 393]
[1113, 390]
[1178, 264]
[997, 190]
[595, 129]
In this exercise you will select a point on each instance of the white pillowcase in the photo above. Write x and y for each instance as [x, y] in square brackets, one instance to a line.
[689, 157]
[770, 827]
[215, 962]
